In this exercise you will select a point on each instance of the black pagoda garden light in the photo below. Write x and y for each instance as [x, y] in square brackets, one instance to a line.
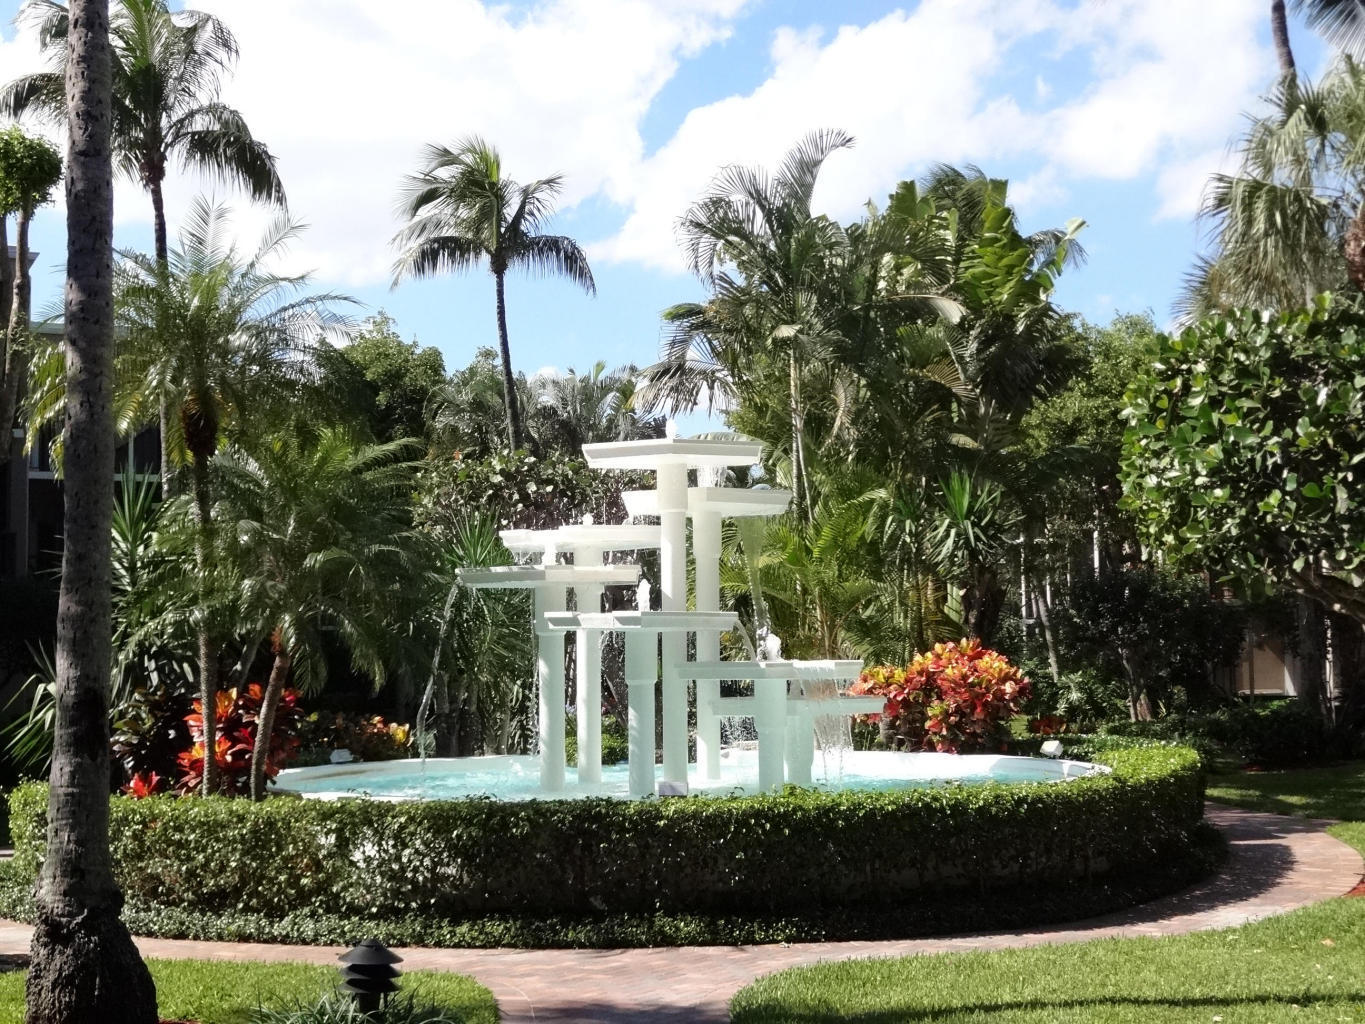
[369, 974]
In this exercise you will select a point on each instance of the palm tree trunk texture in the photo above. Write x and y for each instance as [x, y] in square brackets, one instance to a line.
[16, 326]
[265, 722]
[509, 383]
[208, 655]
[85, 968]
[162, 258]
[1279, 31]
[799, 480]
[1353, 248]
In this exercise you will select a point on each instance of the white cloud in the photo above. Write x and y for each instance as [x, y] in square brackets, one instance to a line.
[346, 94]
[1149, 101]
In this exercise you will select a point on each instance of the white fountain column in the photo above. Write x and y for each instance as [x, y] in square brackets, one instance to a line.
[706, 559]
[672, 491]
[550, 680]
[641, 673]
[588, 669]
[770, 721]
[800, 752]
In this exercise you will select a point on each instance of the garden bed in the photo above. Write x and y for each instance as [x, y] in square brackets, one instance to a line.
[601, 872]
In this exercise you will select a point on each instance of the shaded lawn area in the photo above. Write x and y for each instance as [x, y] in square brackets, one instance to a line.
[1306, 966]
[218, 992]
[1334, 792]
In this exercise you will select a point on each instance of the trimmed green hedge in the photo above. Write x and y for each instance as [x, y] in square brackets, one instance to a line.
[799, 852]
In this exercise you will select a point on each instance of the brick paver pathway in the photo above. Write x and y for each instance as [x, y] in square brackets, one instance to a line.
[1275, 864]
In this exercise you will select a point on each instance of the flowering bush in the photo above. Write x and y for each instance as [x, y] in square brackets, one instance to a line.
[237, 715]
[367, 737]
[956, 698]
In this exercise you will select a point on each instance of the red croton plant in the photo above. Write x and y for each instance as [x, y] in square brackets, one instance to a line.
[237, 714]
[956, 698]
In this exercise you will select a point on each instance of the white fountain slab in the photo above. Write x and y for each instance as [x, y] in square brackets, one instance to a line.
[508, 577]
[659, 622]
[823, 669]
[691, 452]
[743, 707]
[571, 538]
[728, 502]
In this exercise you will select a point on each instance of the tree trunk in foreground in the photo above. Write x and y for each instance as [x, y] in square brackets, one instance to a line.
[265, 722]
[85, 969]
[509, 382]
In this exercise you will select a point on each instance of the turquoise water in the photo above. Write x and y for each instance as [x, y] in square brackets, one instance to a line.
[518, 778]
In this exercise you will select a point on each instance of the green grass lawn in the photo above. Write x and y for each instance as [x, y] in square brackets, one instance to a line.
[225, 993]
[1307, 966]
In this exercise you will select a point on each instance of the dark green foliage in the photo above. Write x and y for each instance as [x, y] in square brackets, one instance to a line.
[615, 742]
[1244, 446]
[399, 378]
[1282, 733]
[798, 853]
[519, 491]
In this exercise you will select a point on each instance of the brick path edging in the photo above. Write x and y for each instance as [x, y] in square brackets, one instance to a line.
[1275, 864]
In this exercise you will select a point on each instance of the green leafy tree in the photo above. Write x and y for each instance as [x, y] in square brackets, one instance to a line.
[316, 539]
[30, 169]
[400, 377]
[462, 211]
[81, 951]
[1244, 446]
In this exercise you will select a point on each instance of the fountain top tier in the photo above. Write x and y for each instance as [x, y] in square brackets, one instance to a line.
[688, 452]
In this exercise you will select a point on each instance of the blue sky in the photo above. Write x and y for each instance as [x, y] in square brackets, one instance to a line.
[1110, 110]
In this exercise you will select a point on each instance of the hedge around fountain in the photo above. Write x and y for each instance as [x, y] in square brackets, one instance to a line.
[800, 864]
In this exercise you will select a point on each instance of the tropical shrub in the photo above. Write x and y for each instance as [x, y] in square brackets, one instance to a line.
[956, 698]
[236, 716]
[615, 742]
[367, 737]
[150, 731]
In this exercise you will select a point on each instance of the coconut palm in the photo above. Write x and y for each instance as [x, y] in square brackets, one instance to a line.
[1290, 223]
[1341, 22]
[81, 950]
[167, 73]
[218, 338]
[460, 211]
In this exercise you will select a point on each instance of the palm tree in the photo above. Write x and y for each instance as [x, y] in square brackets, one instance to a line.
[166, 77]
[81, 950]
[754, 241]
[218, 339]
[316, 539]
[461, 211]
[1341, 22]
[1290, 223]
[573, 409]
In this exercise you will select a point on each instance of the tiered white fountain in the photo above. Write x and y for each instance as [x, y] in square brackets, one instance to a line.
[791, 702]
[656, 641]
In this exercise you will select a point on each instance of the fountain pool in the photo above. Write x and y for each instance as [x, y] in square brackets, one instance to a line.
[517, 777]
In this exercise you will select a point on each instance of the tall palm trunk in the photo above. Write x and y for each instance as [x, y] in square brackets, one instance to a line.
[85, 968]
[800, 481]
[509, 383]
[12, 362]
[1353, 249]
[265, 721]
[1279, 31]
[208, 655]
[162, 259]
